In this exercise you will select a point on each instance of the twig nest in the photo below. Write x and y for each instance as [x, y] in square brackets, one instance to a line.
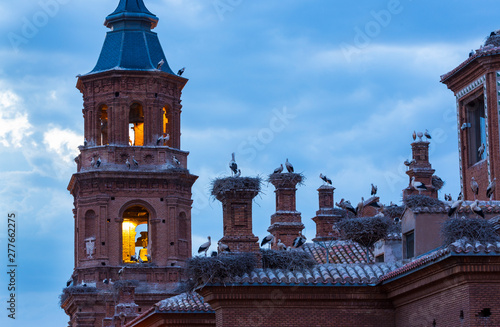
[288, 260]
[493, 40]
[282, 179]
[472, 229]
[394, 211]
[366, 230]
[437, 182]
[220, 186]
[418, 200]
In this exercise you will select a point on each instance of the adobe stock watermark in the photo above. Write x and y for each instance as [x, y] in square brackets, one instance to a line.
[224, 6]
[31, 26]
[365, 35]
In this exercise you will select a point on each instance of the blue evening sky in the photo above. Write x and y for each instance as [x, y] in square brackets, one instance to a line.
[335, 86]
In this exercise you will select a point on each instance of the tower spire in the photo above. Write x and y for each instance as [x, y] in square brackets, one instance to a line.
[131, 11]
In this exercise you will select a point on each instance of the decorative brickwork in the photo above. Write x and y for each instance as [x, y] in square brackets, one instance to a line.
[421, 169]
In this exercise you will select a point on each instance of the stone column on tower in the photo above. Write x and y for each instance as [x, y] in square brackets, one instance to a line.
[420, 169]
[286, 222]
[236, 195]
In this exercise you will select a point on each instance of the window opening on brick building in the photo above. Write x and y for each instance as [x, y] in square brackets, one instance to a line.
[380, 258]
[167, 123]
[476, 117]
[135, 240]
[410, 244]
[103, 120]
[136, 125]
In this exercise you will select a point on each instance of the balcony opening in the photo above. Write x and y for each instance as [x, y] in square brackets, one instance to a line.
[136, 125]
[167, 125]
[103, 121]
[476, 117]
[135, 240]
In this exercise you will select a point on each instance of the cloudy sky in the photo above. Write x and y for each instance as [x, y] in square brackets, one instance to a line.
[335, 86]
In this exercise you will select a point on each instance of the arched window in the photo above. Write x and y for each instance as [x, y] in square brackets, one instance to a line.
[136, 124]
[167, 123]
[103, 120]
[135, 235]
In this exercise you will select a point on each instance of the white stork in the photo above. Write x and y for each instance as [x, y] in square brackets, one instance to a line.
[427, 135]
[181, 71]
[205, 246]
[374, 190]
[135, 161]
[85, 143]
[233, 165]
[221, 247]
[269, 238]
[69, 282]
[238, 174]
[177, 162]
[474, 187]
[98, 162]
[476, 208]
[289, 166]
[299, 241]
[92, 162]
[348, 206]
[127, 163]
[120, 272]
[491, 188]
[160, 64]
[278, 170]
[325, 179]
[480, 150]
[419, 186]
[454, 207]
[281, 246]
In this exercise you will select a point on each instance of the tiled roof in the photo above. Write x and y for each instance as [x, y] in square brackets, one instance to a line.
[185, 302]
[339, 252]
[326, 274]
[459, 247]
[483, 52]
[487, 206]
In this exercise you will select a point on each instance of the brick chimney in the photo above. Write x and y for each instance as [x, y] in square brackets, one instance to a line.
[421, 169]
[326, 216]
[286, 223]
[126, 309]
[236, 195]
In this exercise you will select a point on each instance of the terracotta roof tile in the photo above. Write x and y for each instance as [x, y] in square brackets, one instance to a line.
[185, 302]
[483, 52]
[339, 252]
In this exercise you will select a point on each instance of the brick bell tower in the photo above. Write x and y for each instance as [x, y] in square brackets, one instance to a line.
[476, 86]
[132, 188]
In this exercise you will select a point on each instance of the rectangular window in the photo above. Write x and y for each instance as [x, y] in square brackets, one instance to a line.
[410, 245]
[476, 117]
[379, 258]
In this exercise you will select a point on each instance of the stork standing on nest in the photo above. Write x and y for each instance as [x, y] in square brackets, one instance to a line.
[455, 207]
[268, 239]
[299, 241]
[233, 165]
[221, 247]
[205, 246]
[419, 186]
[281, 246]
[289, 166]
[476, 208]
[278, 170]
[491, 188]
[474, 187]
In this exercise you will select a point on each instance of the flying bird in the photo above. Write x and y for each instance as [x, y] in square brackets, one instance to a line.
[474, 187]
[480, 150]
[374, 190]
[299, 241]
[281, 246]
[476, 208]
[160, 64]
[181, 71]
[427, 135]
[135, 161]
[221, 247]
[419, 186]
[325, 179]
[414, 136]
[98, 162]
[233, 165]
[454, 207]
[289, 166]
[278, 170]
[205, 246]
[491, 188]
[269, 238]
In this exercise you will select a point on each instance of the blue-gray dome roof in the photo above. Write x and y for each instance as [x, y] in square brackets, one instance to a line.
[131, 45]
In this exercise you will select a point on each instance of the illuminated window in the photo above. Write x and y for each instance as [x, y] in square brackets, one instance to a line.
[103, 119]
[136, 124]
[477, 131]
[167, 123]
[135, 235]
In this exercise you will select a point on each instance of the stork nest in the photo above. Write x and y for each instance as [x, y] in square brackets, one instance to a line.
[437, 182]
[228, 184]
[203, 270]
[474, 230]
[365, 231]
[493, 40]
[418, 200]
[287, 260]
[393, 211]
[281, 179]
[121, 284]
[341, 212]
[68, 291]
